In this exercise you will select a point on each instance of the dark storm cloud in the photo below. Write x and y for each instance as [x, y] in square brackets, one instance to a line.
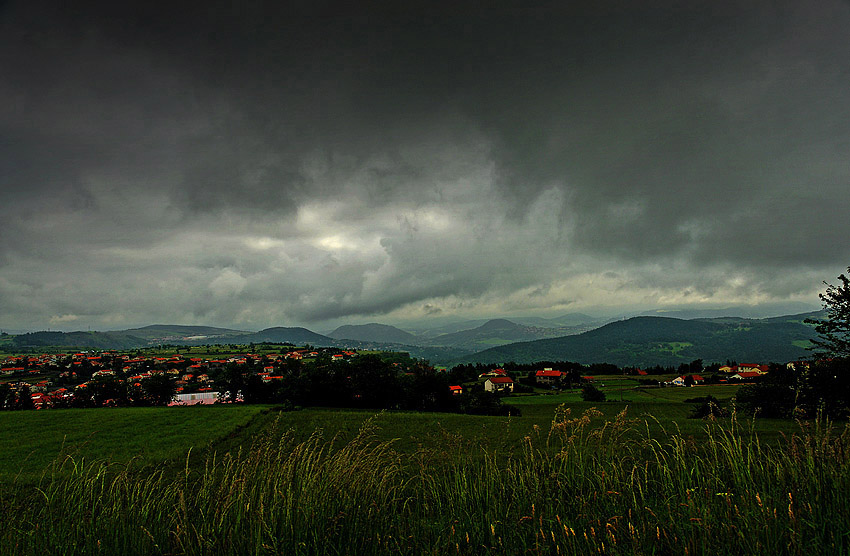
[316, 160]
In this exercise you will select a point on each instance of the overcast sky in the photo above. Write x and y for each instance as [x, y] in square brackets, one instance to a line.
[312, 163]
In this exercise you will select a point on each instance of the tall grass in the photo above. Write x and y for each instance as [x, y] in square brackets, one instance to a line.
[577, 488]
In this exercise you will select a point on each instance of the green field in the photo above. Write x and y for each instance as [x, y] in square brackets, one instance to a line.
[566, 477]
[30, 440]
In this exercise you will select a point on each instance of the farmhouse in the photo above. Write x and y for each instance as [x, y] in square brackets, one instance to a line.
[547, 376]
[752, 368]
[683, 380]
[499, 384]
[456, 390]
[746, 375]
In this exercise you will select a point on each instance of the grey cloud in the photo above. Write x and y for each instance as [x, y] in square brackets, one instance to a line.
[434, 157]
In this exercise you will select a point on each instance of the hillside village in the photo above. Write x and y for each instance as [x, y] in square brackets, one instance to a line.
[111, 378]
[82, 378]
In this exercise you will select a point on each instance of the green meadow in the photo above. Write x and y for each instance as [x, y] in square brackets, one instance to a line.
[635, 476]
[31, 440]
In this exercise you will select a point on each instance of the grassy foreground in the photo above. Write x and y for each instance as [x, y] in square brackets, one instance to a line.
[582, 485]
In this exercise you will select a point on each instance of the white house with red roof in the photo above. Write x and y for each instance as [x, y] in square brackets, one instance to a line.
[682, 380]
[746, 375]
[499, 384]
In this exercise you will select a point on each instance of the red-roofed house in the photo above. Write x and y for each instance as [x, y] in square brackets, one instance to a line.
[499, 384]
[456, 390]
[682, 380]
[746, 375]
[40, 400]
[752, 367]
[547, 376]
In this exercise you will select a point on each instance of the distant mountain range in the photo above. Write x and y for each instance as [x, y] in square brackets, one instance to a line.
[649, 341]
[638, 341]
[468, 336]
[200, 335]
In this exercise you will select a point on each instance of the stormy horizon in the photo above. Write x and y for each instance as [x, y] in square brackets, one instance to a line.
[315, 164]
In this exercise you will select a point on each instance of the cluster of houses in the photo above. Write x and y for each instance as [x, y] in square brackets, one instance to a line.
[51, 378]
[738, 373]
[55, 378]
[494, 380]
[497, 380]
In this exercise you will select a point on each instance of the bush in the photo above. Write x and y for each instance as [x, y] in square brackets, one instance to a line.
[591, 393]
[769, 400]
[480, 402]
[520, 388]
[708, 406]
[825, 387]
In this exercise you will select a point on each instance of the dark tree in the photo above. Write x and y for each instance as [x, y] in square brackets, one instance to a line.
[158, 389]
[108, 388]
[24, 399]
[231, 381]
[7, 397]
[825, 384]
[767, 399]
[479, 402]
[591, 393]
[708, 407]
[834, 332]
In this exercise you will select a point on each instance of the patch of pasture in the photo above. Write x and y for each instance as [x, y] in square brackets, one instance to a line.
[30, 440]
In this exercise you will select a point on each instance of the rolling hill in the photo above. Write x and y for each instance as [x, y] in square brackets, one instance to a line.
[282, 334]
[96, 340]
[373, 332]
[492, 332]
[165, 332]
[649, 341]
[125, 339]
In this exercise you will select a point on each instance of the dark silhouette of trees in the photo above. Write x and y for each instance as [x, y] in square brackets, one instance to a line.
[24, 398]
[824, 385]
[158, 389]
[834, 331]
[767, 399]
[7, 397]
